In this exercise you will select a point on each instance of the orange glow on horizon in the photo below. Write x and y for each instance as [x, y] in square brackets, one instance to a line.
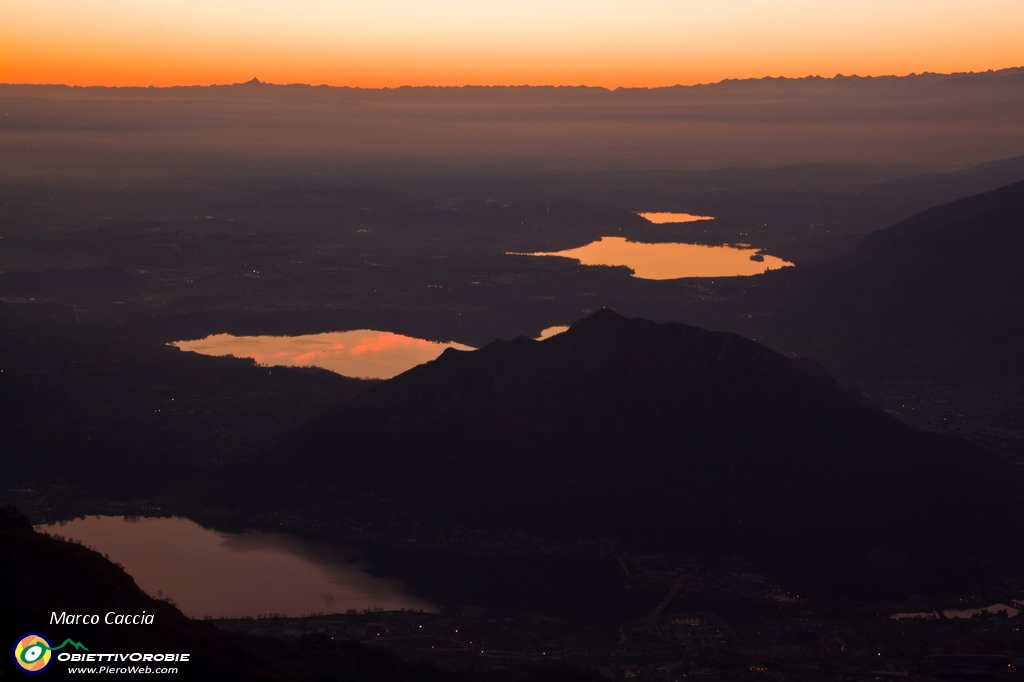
[393, 43]
[161, 76]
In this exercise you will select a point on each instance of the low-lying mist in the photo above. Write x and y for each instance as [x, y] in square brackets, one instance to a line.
[58, 132]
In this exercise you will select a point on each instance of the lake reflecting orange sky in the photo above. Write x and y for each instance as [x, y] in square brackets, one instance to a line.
[672, 260]
[388, 43]
[662, 218]
[362, 353]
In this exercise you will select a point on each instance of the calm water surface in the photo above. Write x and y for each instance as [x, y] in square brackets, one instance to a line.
[672, 260]
[662, 218]
[551, 331]
[363, 353]
[209, 573]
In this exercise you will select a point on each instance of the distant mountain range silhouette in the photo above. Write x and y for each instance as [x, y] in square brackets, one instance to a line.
[663, 436]
[965, 81]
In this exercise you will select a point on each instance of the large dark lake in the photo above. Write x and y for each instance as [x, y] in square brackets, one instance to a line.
[210, 573]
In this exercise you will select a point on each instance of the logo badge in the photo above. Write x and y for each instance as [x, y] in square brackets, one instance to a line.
[32, 653]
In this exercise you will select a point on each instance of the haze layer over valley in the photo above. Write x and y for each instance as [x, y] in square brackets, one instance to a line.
[944, 121]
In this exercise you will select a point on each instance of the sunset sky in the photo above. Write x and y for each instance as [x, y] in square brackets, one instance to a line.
[388, 43]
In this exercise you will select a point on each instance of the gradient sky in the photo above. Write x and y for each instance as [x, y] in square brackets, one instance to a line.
[387, 43]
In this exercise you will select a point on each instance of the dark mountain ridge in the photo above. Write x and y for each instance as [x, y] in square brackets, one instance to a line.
[922, 191]
[662, 437]
[989, 218]
[936, 296]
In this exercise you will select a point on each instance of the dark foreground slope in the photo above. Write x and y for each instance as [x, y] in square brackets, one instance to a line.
[947, 287]
[937, 296]
[661, 437]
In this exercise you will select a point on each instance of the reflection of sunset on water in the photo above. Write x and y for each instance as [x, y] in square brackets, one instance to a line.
[548, 332]
[385, 342]
[362, 353]
[662, 218]
[672, 260]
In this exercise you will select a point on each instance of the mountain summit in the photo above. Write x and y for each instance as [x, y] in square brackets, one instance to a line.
[663, 436]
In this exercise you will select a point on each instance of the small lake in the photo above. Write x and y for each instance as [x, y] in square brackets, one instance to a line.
[551, 331]
[209, 573]
[662, 218]
[363, 353]
[670, 260]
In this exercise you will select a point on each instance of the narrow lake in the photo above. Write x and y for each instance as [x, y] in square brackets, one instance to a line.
[210, 573]
[362, 353]
[662, 218]
[671, 260]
